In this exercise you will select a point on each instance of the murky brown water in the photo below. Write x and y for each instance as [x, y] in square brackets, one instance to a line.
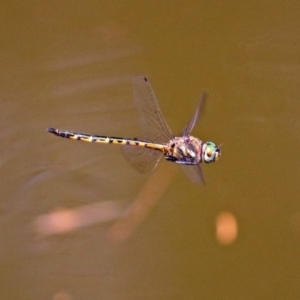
[64, 234]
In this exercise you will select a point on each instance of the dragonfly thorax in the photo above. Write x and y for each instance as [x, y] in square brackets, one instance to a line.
[185, 150]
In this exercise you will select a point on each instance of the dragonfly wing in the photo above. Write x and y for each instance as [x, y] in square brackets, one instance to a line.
[141, 159]
[194, 173]
[153, 127]
[189, 127]
[152, 123]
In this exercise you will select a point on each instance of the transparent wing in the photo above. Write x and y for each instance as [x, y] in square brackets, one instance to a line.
[153, 127]
[194, 173]
[142, 160]
[189, 127]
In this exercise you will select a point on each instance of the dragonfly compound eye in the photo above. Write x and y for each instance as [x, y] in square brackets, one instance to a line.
[211, 152]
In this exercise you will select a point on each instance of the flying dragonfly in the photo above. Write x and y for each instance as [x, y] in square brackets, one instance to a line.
[157, 138]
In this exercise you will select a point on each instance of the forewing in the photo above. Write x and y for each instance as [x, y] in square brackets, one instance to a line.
[153, 126]
[189, 127]
[194, 173]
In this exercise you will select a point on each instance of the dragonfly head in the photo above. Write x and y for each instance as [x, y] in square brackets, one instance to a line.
[210, 152]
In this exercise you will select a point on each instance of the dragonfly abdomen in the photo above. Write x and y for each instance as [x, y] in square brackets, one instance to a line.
[106, 139]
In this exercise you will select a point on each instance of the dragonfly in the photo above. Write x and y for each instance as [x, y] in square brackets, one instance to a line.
[157, 140]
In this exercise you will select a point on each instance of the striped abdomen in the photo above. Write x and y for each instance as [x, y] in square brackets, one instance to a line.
[106, 139]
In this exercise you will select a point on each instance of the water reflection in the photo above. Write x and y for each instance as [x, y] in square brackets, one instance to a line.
[128, 219]
[143, 204]
[62, 296]
[226, 228]
[67, 220]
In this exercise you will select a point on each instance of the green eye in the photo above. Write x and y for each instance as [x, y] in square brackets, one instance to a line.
[211, 152]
